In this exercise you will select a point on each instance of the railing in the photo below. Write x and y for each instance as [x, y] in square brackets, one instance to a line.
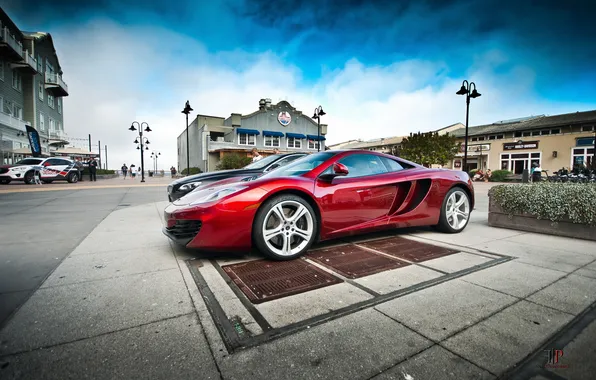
[12, 121]
[55, 79]
[11, 41]
[29, 60]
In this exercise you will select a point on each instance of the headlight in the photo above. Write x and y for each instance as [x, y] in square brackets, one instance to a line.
[190, 186]
[218, 195]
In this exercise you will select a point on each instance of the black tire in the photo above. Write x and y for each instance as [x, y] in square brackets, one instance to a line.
[444, 225]
[72, 178]
[288, 201]
[28, 178]
[4, 181]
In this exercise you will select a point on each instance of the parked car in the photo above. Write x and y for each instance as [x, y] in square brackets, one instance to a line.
[319, 197]
[53, 169]
[185, 185]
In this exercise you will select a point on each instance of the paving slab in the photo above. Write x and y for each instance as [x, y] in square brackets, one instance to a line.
[435, 363]
[444, 309]
[170, 349]
[120, 242]
[67, 313]
[585, 272]
[397, 279]
[340, 349]
[80, 268]
[473, 234]
[550, 241]
[288, 310]
[456, 262]
[572, 294]
[579, 355]
[556, 257]
[514, 278]
[507, 337]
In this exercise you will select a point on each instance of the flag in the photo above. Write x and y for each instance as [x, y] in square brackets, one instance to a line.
[34, 141]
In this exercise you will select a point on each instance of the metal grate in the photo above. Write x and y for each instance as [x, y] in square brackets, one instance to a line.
[185, 229]
[263, 280]
[354, 262]
[407, 249]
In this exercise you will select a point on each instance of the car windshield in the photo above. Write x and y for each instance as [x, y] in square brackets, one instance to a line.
[29, 161]
[263, 162]
[301, 166]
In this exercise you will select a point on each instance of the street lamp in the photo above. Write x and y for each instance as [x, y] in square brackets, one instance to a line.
[186, 111]
[465, 90]
[155, 155]
[317, 115]
[142, 141]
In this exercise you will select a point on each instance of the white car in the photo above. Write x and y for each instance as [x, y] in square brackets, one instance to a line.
[52, 169]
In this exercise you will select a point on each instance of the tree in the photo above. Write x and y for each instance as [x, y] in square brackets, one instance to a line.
[429, 148]
[233, 161]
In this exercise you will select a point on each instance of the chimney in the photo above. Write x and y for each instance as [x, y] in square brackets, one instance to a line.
[261, 104]
[268, 103]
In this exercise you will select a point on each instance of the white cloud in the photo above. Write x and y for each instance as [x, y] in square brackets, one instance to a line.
[118, 74]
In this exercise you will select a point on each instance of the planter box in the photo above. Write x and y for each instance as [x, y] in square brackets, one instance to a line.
[527, 222]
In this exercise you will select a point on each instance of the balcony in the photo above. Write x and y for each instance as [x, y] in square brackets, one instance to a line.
[28, 64]
[9, 45]
[55, 84]
[12, 122]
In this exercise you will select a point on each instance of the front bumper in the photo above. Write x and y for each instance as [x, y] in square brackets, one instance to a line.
[182, 232]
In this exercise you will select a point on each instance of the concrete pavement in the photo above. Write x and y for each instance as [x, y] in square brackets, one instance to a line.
[124, 304]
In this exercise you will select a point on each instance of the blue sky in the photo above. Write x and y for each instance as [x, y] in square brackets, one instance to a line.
[378, 68]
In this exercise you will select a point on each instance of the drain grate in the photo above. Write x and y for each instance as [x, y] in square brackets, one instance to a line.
[353, 262]
[263, 280]
[408, 249]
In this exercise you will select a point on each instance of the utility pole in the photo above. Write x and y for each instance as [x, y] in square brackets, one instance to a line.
[99, 151]
[106, 164]
[89, 142]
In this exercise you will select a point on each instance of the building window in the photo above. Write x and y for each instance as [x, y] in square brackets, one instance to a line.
[52, 125]
[535, 133]
[17, 111]
[42, 123]
[246, 139]
[526, 134]
[587, 128]
[517, 162]
[312, 144]
[59, 101]
[582, 157]
[500, 137]
[17, 81]
[51, 101]
[517, 134]
[39, 65]
[555, 131]
[481, 138]
[40, 91]
[492, 137]
[1, 69]
[272, 141]
[545, 132]
[474, 138]
[294, 142]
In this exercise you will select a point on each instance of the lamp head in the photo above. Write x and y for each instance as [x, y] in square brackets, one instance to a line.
[462, 91]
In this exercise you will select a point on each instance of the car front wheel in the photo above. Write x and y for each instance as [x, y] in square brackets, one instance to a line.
[72, 178]
[285, 227]
[455, 211]
[29, 177]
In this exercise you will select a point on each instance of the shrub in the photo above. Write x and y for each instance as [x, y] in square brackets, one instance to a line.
[233, 161]
[551, 201]
[193, 171]
[499, 175]
[104, 171]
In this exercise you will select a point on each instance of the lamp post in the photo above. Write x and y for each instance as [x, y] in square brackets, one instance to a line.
[155, 154]
[317, 115]
[142, 141]
[465, 90]
[186, 111]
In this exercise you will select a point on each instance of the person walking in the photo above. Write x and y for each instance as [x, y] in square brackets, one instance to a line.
[124, 170]
[92, 169]
[255, 155]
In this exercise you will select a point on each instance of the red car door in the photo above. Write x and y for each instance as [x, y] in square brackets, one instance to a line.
[362, 197]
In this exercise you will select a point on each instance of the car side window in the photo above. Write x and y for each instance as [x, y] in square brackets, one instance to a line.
[361, 165]
[392, 165]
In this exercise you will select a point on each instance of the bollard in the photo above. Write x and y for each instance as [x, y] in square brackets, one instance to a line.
[525, 176]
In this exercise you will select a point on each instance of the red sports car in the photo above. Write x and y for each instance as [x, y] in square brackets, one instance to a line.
[319, 197]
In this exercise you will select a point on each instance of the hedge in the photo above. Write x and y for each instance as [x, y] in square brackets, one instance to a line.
[193, 171]
[550, 201]
[499, 175]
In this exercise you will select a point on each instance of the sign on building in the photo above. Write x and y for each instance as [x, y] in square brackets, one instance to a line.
[522, 145]
[284, 118]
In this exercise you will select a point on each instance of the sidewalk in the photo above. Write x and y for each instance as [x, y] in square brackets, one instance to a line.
[15, 187]
[125, 304]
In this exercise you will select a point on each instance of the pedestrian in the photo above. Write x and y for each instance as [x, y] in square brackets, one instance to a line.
[140, 172]
[255, 155]
[80, 168]
[92, 169]
[275, 151]
[133, 173]
[124, 170]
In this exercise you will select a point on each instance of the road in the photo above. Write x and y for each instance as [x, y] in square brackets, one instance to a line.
[39, 229]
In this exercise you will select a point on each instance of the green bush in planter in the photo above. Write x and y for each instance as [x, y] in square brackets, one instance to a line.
[499, 175]
[193, 171]
[549, 201]
[104, 171]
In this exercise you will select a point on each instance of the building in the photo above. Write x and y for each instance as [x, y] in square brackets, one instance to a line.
[389, 145]
[272, 126]
[553, 142]
[31, 91]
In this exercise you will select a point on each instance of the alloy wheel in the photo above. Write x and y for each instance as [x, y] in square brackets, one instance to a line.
[457, 210]
[288, 227]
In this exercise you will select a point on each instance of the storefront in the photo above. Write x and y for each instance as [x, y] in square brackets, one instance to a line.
[478, 157]
[524, 155]
[583, 152]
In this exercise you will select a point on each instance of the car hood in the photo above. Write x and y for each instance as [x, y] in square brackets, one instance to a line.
[204, 191]
[213, 175]
[12, 166]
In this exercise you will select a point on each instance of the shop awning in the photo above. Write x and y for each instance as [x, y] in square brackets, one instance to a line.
[295, 135]
[247, 131]
[273, 133]
[313, 137]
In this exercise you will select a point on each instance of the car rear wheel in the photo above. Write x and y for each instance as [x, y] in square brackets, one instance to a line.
[285, 227]
[72, 178]
[29, 177]
[455, 211]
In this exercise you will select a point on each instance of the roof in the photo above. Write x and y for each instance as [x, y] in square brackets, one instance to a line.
[531, 122]
[374, 143]
[14, 28]
[48, 36]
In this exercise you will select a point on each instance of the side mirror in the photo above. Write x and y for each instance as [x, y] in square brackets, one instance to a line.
[339, 170]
